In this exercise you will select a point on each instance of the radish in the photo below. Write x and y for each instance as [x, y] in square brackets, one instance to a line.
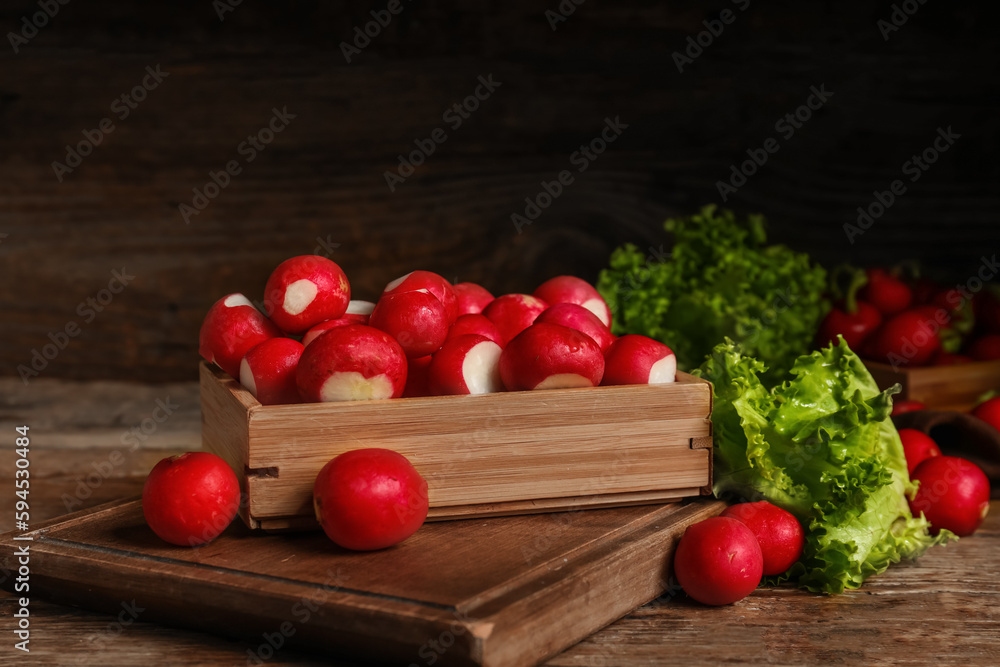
[778, 533]
[304, 291]
[635, 359]
[472, 298]
[885, 292]
[908, 339]
[418, 373]
[268, 371]
[352, 363]
[368, 499]
[954, 494]
[577, 317]
[989, 412]
[513, 313]
[718, 561]
[358, 312]
[467, 364]
[416, 319]
[427, 281]
[917, 447]
[854, 326]
[570, 289]
[189, 499]
[475, 324]
[232, 328]
[550, 356]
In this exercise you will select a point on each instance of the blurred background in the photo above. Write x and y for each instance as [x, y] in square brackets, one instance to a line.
[154, 158]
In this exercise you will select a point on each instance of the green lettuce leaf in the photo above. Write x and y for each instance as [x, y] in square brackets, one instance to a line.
[822, 446]
[719, 280]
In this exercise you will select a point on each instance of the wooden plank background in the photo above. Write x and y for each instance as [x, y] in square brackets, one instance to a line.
[320, 183]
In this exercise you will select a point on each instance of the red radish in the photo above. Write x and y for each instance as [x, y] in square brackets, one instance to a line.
[778, 533]
[189, 499]
[472, 298]
[942, 358]
[429, 282]
[549, 356]
[368, 499]
[570, 289]
[513, 313]
[855, 326]
[908, 339]
[718, 561]
[954, 494]
[989, 412]
[467, 364]
[917, 447]
[474, 323]
[358, 312]
[417, 320]
[268, 371]
[635, 359]
[577, 317]
[231, 328]
[887, 293]
[418, 375]
[352, 363]
[985, 348]
[903, 406]
[304, 291]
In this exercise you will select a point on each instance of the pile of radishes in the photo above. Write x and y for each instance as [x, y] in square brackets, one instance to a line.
[424, 336]
[915, 323]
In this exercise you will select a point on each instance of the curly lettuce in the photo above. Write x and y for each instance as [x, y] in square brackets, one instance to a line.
[822, 446]
[720, 279]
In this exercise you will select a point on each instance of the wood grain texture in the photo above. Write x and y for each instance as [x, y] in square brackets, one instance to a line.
[941, 610]
[503, 453]
[940, 387]
[505, 599]
[320, 184]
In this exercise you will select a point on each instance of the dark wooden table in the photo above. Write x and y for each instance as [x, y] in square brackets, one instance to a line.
[942, 610]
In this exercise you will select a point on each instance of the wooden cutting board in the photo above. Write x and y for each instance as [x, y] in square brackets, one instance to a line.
[500, 592]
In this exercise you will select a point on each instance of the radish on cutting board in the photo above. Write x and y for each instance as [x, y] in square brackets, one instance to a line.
[268, 371]
[550, 356]
[467, 364]
[635, 359]
[230, 329]
[352, 363]
[570, 289]
[304, 291]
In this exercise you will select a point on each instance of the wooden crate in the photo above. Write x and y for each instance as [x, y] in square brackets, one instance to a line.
[940, 387]
[489, 455]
